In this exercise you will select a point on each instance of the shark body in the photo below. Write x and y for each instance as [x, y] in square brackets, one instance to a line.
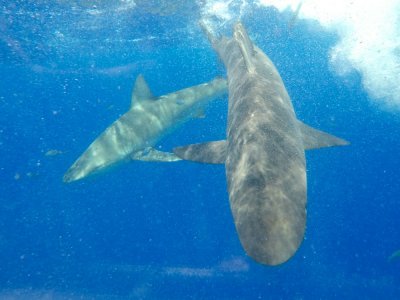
[263, 152]
[147, 121]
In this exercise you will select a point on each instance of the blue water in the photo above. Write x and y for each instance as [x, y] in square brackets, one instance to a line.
[165, 231]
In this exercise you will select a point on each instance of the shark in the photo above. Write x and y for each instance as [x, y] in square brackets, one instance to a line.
[150, 118]
[264, 152]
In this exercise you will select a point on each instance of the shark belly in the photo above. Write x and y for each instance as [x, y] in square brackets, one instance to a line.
[266, 178]
[265, 162]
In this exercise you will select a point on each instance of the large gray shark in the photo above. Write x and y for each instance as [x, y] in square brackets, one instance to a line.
[263, 152]
[148, 120]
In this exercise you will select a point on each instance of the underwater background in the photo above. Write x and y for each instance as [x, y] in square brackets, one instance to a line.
[164, 230]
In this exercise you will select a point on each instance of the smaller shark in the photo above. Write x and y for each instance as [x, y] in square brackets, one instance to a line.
[149, 119]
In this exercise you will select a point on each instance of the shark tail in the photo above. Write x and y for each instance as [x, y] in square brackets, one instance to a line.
[245, 45]
[210, 36]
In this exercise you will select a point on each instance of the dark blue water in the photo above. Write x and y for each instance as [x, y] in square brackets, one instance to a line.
[165, 231]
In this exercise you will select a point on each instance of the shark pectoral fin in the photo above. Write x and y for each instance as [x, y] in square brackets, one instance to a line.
[141, 91]
[314, 139]
[210, 152]
[151, 154]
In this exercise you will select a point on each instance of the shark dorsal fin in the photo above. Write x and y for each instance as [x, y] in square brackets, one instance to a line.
[141, 91]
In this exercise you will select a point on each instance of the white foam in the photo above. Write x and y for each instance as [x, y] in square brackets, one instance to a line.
[217, 13]
[369, 33]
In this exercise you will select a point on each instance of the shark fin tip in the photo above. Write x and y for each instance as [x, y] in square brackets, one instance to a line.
[141, 90]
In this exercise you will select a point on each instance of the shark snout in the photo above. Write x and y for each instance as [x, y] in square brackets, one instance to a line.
[71, 175]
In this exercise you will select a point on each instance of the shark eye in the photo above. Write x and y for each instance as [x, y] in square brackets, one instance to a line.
[180, 101]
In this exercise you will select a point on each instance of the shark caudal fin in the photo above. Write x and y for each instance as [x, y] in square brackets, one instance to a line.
[210, 152]
[210, 36]
[141, 91]
[315, 139]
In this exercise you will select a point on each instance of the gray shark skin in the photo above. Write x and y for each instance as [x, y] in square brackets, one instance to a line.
[148, 120]
[263, 152]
